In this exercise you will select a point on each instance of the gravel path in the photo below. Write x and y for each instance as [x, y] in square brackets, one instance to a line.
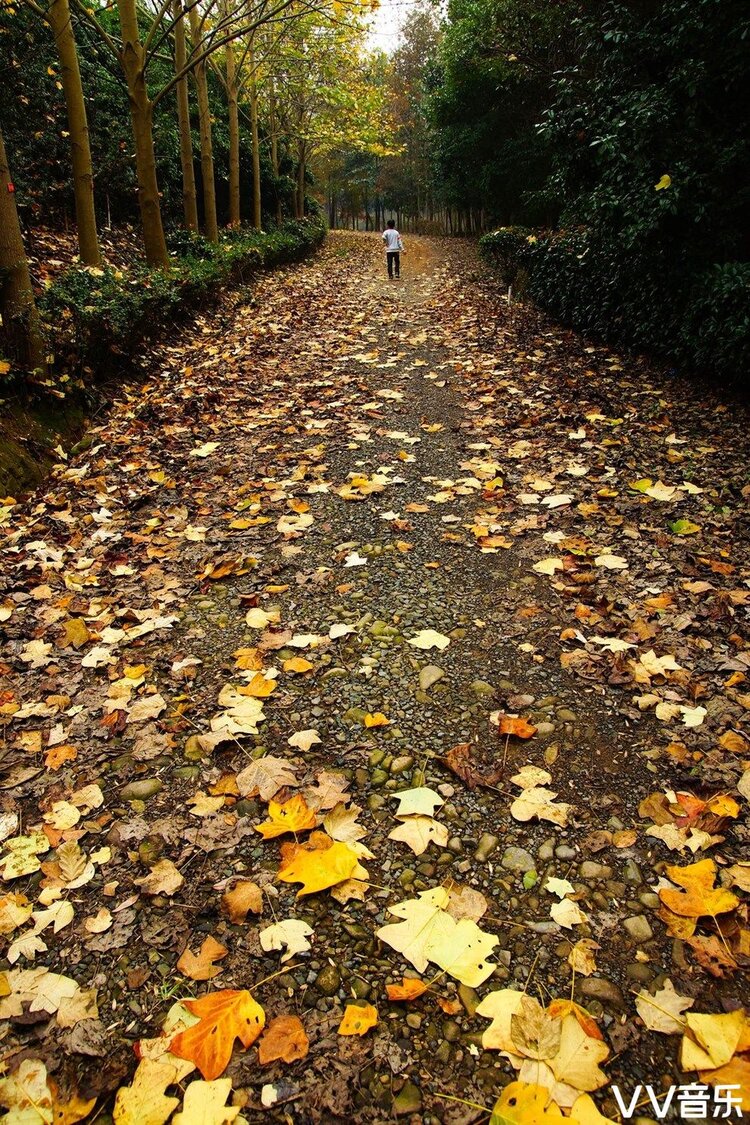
[332, 450]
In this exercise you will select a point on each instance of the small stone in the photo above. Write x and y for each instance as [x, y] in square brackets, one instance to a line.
[565, 715]
[563, 851]
[591, 870]
[638, 927]
[408, 1100]
[430, 675]
[378, 777]
[142, 790]
[414, 1021]
[482, 688]
[518, 859]
[401, 764]
[544, 730]
[604, 990]
[451, 1031]
[486, 847]
[328, 980]
[632, 872]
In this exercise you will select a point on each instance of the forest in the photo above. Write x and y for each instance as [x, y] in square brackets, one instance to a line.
[374, 562]
[607, 143]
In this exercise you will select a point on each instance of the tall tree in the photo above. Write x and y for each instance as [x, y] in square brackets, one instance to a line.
[57, 16]
[189, 195]
[200, 77]
[21, 331]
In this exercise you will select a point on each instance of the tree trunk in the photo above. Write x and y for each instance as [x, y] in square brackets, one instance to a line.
[141, 114]
[235, 216]
[275, 148]
[300, 193]
[58, 15]
[189, 196]
[204, 115]
[21, 332]
[257, 215]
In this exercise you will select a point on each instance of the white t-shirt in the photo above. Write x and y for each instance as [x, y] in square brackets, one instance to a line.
[392, 240]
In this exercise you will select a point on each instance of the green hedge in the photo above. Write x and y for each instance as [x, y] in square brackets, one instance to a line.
[96, 315]
[617, 293]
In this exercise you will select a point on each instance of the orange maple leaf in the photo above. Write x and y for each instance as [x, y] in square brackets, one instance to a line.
[410, 989]
[223, 1017]
[559, 1009]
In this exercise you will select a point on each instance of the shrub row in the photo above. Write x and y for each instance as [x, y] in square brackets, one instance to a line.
[97, 315]
[634, 296]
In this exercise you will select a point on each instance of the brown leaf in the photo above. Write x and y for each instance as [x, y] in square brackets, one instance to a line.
[462, 761]
[201, 966]
[284, 1038]
[242, 898]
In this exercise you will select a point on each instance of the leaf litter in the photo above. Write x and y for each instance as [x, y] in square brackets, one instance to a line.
[583, 586]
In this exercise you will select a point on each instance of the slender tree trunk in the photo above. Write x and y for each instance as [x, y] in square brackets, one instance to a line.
[141, 114]
[274, 148]
[235, 216]
[300, 200]
[21, 338]
[189, 196]
[58, 15]
[257, 211]
[204, 116]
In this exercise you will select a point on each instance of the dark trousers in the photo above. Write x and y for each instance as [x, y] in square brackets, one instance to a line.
[394, 259]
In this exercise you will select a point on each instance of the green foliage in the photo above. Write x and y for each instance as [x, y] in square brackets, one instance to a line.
[652, 159]
[507, 250]
[93, 314]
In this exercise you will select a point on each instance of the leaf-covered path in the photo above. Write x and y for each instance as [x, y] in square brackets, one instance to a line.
[354, 538]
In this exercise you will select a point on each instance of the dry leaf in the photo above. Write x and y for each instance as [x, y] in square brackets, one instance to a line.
[201, 966]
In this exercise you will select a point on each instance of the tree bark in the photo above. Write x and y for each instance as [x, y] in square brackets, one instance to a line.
[21, 331]
[300, 193]
[233, 110]
[257, 210]
[58, 15]
[204, 115]
[189, 196]
[275, 148]
[141, 114]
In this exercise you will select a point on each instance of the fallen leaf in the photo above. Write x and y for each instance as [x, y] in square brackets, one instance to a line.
[428, 638]
[291, 816]
[318, 864]
[663, 1011]
[243, 897]
[223, 1017]
[201, 966]
[284, 1038]
[205, 1103]
[358, 1019]
[290, 934]
[419, 832]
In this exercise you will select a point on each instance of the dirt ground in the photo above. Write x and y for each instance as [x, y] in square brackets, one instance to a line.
[327, 469]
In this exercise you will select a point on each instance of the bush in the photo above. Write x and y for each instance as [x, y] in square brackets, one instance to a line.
[93, 314]
[506, 250]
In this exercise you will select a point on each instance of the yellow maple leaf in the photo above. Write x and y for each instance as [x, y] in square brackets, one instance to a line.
[358, 1019]
[291, 816]
[318, 864]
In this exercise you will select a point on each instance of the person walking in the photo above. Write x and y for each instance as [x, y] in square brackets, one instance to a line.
[393, 249]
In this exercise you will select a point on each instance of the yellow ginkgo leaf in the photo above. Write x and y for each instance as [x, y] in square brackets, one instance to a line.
[291, 816]
[710, 1041]
[664, 182]
[358, 1019]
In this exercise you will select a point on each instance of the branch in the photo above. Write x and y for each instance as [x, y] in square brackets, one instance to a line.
[84, 11]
